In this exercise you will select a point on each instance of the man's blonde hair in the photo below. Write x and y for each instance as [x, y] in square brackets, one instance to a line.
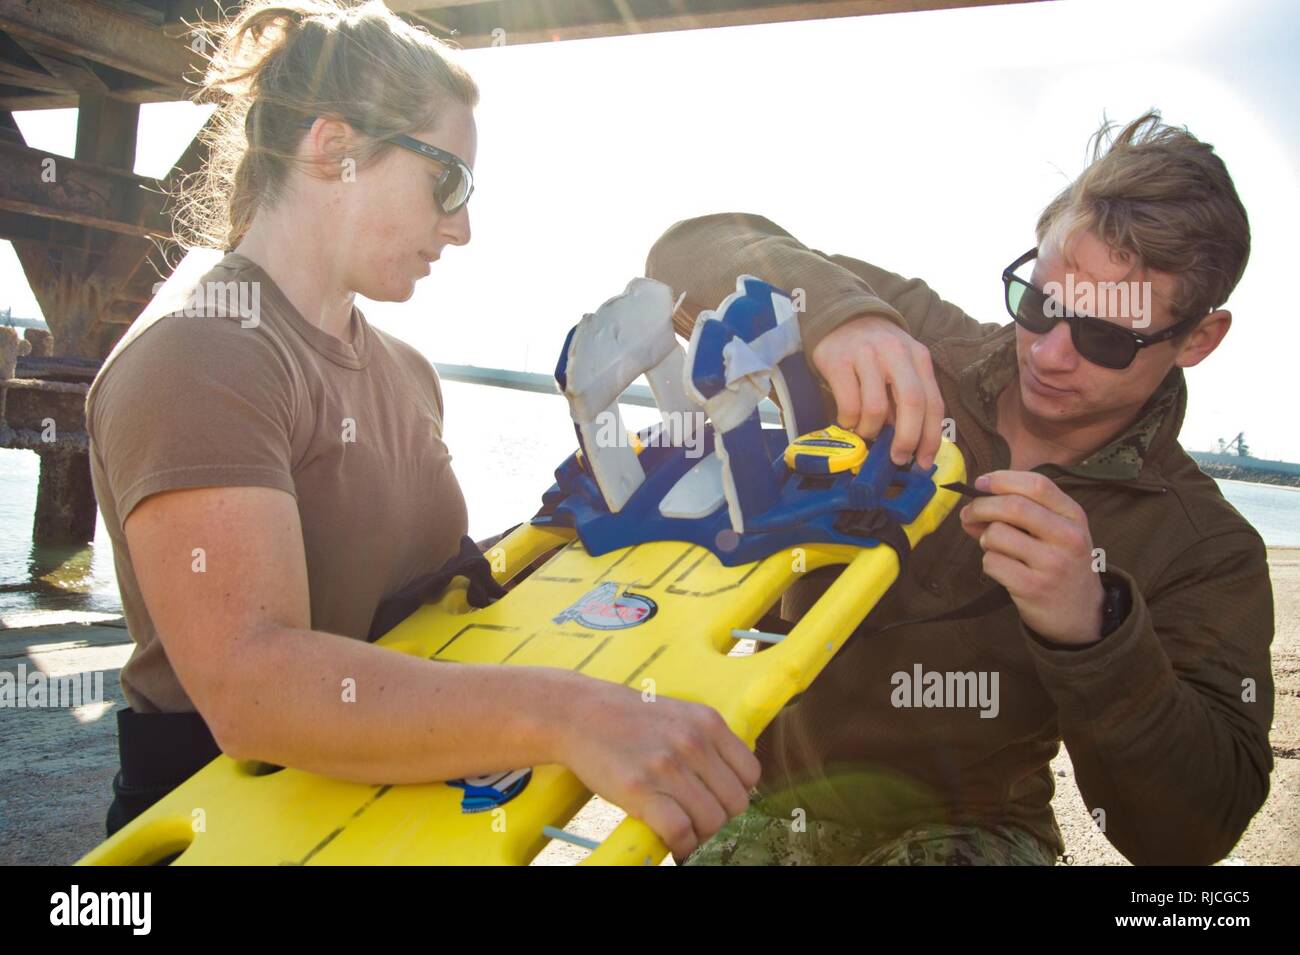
[1158, 193]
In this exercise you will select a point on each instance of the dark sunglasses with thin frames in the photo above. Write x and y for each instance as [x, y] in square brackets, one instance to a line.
[1100, 342]
[454, 186]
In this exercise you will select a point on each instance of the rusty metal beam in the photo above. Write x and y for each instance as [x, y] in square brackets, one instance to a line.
[122, 275]
[16, 99]
[40, 82]
[19, 68]
[160, 54]
[107, 128]
[33, 257]
[475, 22]
[56, 187]
[65, 496]
[122, 312]
[416, 6]
[180, 12]
[71, 304]
[71, 70]
[88, 294]
[436, 27]
[16, 227]
[61, 370]
[87, 29]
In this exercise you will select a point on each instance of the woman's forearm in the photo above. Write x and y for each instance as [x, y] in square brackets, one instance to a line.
[350, 710]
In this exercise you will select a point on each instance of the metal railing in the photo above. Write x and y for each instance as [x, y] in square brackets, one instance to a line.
[637, 394]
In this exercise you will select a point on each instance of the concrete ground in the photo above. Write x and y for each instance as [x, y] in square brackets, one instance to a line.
[56, 764]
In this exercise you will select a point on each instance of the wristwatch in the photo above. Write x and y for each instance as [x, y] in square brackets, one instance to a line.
[1116, 603]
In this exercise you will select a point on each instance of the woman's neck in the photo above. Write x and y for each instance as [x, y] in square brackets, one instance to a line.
[301, 261]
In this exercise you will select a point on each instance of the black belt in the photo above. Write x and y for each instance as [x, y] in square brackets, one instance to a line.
[157, 752]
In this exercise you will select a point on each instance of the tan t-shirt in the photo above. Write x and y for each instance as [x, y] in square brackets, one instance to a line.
[228, 398]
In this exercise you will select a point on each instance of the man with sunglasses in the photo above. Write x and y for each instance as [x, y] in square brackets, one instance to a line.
[1124, 605]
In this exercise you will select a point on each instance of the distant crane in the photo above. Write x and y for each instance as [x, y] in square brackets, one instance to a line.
[1237, 444]
[9, 319]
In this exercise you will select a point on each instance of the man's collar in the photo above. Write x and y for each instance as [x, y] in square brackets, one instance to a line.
[984, 379]
[1123, 458]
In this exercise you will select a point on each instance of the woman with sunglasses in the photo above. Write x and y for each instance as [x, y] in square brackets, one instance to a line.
[270, 475]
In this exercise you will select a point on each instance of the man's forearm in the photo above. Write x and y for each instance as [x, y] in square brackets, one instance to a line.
[702, 257]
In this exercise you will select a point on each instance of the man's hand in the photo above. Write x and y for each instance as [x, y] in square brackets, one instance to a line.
[879, 375]
[1037, 544]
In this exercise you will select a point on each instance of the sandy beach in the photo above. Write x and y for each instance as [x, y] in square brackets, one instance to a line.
[56, 764]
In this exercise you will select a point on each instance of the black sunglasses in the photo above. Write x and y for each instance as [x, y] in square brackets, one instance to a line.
[454, 186]
[1100, 342]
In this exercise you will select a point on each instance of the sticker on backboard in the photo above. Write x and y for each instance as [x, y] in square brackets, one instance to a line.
[604, 608]
[494, 789]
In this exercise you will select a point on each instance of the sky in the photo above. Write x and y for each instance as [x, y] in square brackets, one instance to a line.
[925, 143]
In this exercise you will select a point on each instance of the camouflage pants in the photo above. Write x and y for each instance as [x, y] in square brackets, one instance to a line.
[756, 838]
